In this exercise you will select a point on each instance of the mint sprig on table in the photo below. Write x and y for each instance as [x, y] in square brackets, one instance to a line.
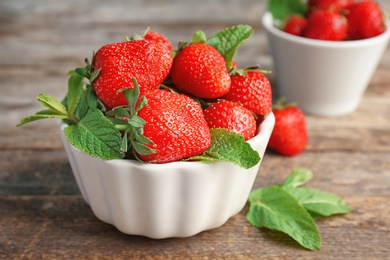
[292, 209]
[99, 133]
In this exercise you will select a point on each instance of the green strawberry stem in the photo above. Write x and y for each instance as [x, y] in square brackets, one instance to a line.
[281, 103]
[138, 36]
[244, 72]
[126, 119]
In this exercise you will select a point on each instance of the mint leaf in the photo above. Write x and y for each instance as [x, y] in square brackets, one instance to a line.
[318, 203]
[228, 40]
[281, 9]
[55, 109]
[52, 104]
[198, 37]
[75, 91]
[297, 177]
[292, 209]
[96, 135]
[274, 208]
[229, 147]
[88, 100]
[41, 115]
[92, 99]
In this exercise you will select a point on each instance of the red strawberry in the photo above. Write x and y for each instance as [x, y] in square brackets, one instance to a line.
[200, 70]
[175, 124]
[253, 91]
[326, 25]
[147, 61]
[365, 20]
[158, 37]
[289, 136]
[295, 25]
[333, 5]
[232, 116]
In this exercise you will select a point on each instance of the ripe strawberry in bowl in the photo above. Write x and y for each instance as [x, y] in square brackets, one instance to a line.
[143, 154]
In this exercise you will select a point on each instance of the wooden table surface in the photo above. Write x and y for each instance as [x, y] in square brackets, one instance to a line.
[42, 214]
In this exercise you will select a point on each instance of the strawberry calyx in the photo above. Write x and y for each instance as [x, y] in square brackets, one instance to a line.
[138, 36]
[281, 103]
[243, 72]
[197, 37]
[126, 120]
[226, 41]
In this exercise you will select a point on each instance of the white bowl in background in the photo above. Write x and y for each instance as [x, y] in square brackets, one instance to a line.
[178, 199]
[323, 77]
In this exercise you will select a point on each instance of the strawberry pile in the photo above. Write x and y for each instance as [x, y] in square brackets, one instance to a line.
[141, 99]
[337, 20]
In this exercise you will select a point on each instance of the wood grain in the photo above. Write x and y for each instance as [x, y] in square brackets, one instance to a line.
[43, 216]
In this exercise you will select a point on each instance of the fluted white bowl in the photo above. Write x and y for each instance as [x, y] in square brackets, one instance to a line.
[178, 199]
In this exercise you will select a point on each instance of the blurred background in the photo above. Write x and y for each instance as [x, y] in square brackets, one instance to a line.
[41, 40]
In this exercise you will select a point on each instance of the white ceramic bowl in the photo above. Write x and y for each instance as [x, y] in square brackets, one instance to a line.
[178, 199]
[323, 77]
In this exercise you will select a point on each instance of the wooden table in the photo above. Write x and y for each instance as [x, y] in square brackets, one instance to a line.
[42, 214]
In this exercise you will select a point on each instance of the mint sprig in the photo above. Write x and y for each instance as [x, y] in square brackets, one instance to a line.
[88, 129]
[292, 209]
[95, 135]
[229, 147]
[75, 91]
[228, 40]
[274, 208]
[54, 109]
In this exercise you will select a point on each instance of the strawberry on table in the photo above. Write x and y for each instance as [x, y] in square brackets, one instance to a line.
[149, 62]
[232, 116]
[253, 90]
[289, 136]
[200, 70]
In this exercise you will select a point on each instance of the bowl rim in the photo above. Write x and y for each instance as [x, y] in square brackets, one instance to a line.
[262, 136]
[267, 22]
